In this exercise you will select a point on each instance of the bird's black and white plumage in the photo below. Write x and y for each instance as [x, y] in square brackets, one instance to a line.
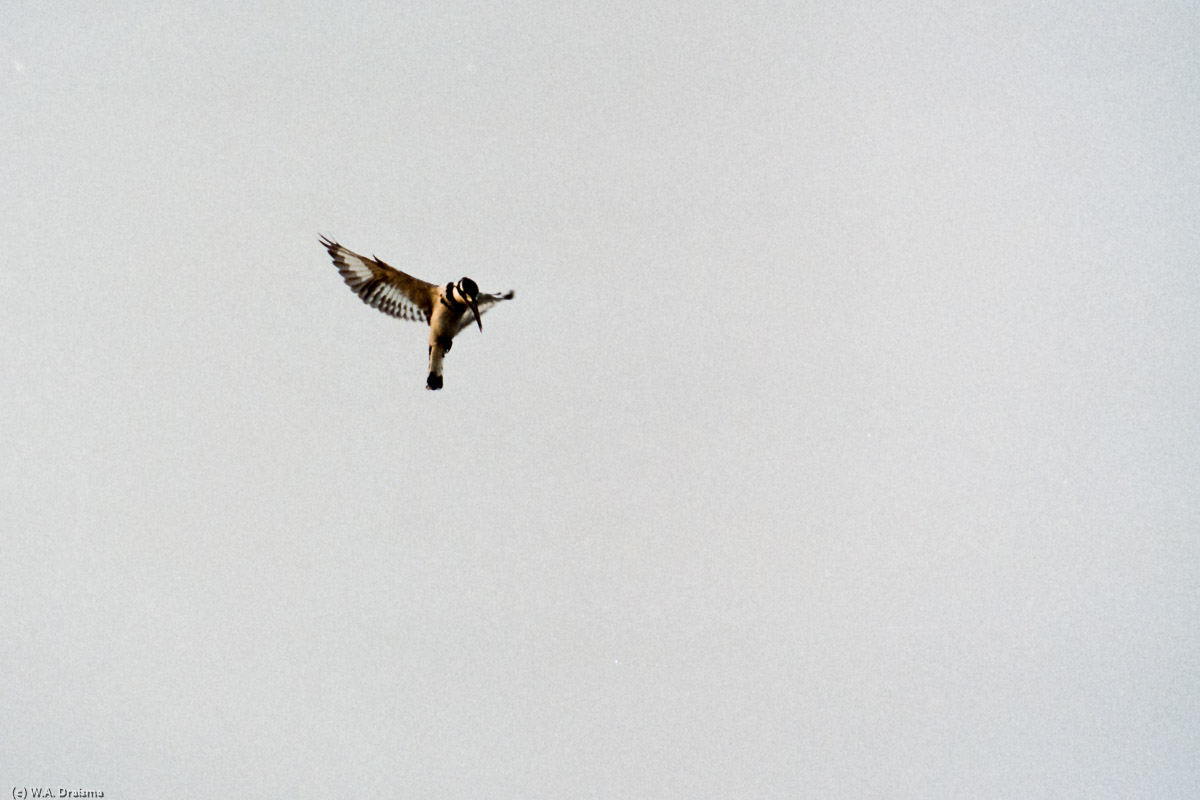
[446, 309]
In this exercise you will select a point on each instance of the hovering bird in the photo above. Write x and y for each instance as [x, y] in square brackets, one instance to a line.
[443, 308]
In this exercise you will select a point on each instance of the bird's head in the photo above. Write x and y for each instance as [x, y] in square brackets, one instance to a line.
[469, 292]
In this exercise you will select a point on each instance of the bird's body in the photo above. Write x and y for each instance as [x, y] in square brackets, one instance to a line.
[446, 309]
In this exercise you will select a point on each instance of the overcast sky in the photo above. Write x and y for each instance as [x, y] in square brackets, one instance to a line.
[841, 441]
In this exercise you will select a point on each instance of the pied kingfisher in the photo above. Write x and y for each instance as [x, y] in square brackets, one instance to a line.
[443, 308]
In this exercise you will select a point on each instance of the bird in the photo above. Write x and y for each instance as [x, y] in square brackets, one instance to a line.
[443, 308]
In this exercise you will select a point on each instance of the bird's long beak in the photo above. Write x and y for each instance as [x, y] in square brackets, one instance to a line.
[475, 311]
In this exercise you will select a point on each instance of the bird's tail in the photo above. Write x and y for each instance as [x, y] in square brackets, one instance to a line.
[436, 353]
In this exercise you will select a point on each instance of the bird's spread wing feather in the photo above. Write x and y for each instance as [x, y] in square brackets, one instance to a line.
[384, 287]
[484, 301]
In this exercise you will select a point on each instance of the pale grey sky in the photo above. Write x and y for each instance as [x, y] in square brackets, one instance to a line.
[841, 440]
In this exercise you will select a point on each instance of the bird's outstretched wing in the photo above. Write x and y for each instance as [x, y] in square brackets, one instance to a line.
[384, 287]
[484, 301]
